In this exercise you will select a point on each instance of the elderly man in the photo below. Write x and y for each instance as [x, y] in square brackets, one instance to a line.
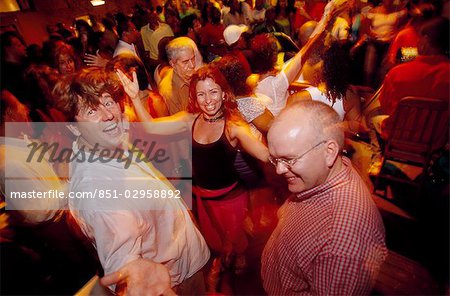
[126, 217]
[174, 86]
[330, 237]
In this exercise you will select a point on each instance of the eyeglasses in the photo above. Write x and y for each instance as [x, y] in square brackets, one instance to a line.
[289, 163]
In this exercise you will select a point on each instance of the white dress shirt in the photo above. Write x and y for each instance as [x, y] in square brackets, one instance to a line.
[125, 229]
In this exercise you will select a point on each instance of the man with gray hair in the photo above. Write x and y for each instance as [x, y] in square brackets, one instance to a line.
[330, 237]
[174, 86]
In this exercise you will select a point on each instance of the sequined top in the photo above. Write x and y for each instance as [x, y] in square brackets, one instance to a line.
[250, 108]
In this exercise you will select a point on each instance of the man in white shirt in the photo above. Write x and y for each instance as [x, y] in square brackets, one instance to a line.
[123, 228]
[128, 36]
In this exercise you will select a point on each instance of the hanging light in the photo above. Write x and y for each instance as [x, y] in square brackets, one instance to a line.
[97, 2]
[9, 6]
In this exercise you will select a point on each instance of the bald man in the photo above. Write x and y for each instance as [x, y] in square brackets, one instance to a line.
[330, 237]
[305, 32]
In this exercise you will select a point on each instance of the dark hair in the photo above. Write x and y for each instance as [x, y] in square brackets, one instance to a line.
[287, 10]
[123, 26]
[34, 54]
[212, 72]
[108, 23]
[215, 15]
[187, 22]
[80, 24]
[139, 18]
[265, 51]
[120, 17]
[336, 70]
[437, 31]
[162, 54]
[128, 62]
[171, 12]
[40, 80]
[85, 88]
[6, 40]
[235, 6]
[236, 71]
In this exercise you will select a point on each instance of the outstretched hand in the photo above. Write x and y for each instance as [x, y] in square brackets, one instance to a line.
[131, 87]
[141, 277]
[95, 60]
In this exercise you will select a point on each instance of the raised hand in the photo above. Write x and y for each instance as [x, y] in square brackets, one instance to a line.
[131, 87]
[95, 60]
[339, 7]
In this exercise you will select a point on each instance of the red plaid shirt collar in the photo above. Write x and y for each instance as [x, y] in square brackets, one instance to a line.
[339, 180]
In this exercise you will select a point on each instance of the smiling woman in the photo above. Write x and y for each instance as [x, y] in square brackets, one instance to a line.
[63, 58]
[221, 200]
[217, 131]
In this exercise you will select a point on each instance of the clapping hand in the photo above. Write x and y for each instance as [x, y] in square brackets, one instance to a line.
[131, 87]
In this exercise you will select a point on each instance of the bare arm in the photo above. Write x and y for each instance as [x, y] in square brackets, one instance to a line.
[293, 68]
[263, 121]
[157, 105]
[169, 125]
[298, 96]
[242, 134]
[353, 113]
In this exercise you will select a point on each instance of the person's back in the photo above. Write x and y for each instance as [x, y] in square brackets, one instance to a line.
[211, 36]
[427, 76]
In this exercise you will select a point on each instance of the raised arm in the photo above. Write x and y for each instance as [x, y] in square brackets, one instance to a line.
[169, 125]
[295, 65]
